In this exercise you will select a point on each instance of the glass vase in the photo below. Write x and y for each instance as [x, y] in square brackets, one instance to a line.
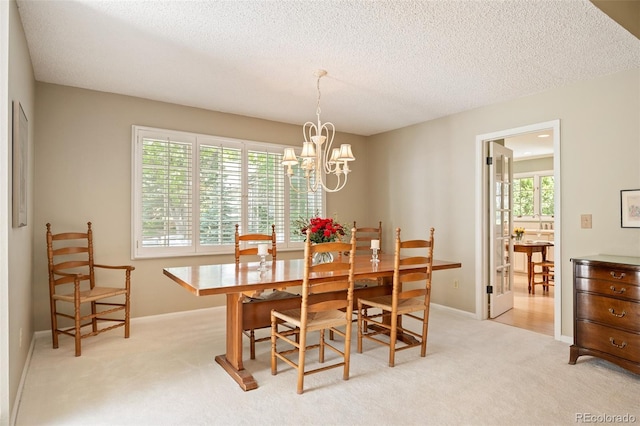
[325, 257]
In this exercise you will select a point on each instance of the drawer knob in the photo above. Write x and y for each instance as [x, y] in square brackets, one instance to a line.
[617, 277]
[613, 312]
[620, 346]
[613, 288]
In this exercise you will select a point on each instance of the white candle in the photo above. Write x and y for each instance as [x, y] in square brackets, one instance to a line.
[375, 244]
[263, 249]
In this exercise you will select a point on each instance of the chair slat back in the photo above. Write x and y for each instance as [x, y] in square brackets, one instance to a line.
[412, 252]
[70, 253]
[342, 283]
[365, 235]
[247, 245]
[70, 250]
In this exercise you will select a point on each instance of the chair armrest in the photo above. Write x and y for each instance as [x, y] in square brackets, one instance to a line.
[67, 277]
[77, 276]
[127, 267]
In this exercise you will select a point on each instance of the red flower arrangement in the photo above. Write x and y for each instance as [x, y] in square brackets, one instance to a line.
[322, 230]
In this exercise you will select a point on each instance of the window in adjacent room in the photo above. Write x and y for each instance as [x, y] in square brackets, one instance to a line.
[533, 195]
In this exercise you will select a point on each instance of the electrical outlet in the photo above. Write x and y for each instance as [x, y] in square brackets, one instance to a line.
[455, 284]
[585, 221]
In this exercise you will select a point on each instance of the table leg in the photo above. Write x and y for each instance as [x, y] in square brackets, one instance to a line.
[529, 269]
[231, 361]
[545, 270]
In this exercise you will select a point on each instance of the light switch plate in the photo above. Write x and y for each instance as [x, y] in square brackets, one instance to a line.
[585, 221]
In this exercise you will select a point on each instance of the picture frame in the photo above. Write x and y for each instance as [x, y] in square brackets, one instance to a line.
[630, 208]
[20, 148]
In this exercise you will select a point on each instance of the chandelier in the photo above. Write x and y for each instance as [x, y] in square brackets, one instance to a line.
[319, 160]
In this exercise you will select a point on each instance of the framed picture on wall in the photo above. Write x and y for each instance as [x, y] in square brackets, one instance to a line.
[20, 163]
[630, 208]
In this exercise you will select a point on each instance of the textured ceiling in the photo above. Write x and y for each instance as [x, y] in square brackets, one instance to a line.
[390, 63]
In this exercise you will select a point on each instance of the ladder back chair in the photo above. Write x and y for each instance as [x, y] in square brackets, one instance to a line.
[363, 246]
[542, 273]
[383, 315]
[326, 303]
[72, 280]
[247, 245]
[365, 235]
[252, 241]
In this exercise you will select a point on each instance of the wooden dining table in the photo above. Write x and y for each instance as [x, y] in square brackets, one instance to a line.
[237, 280]
[529, 248]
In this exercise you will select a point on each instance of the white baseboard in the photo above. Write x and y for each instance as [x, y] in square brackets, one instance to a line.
[23, 378]
[174, 314]
[457, 311]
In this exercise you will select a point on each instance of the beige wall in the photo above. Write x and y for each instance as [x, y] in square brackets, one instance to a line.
[426, 176]
[413, 178]
[21, 89]
[83, 173]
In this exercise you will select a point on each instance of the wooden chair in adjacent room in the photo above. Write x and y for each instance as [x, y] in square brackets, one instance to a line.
[326, 304]
[383, 315]
[72, 281]
[247, 245]
[542, 273]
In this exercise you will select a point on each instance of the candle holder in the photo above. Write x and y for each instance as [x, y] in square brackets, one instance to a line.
[263, 251]
[374, 256]
[263, 263]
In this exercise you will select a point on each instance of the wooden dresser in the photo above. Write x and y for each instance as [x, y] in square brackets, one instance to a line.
[607, 309]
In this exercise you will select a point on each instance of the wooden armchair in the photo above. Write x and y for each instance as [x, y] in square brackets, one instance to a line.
[252, 299]
[317, 312]
[72, 280]
[388, 311]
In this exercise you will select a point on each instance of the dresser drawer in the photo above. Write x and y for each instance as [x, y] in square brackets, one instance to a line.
[619, 275]
[608, 288]
[618, 343]
[609, 311]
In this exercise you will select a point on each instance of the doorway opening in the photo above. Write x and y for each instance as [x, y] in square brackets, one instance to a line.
[540, 312]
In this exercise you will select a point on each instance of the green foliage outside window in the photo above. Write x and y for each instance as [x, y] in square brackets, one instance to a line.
[523, 197]
[525, 203]
[546, 195]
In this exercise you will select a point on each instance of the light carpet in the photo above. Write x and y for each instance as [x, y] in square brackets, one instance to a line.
[475, 373]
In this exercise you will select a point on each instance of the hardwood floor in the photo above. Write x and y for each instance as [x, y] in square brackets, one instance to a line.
[530, 311]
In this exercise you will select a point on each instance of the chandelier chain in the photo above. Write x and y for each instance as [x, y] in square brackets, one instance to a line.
[318, 105]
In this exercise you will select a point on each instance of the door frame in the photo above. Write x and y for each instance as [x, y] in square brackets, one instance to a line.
[481, 225]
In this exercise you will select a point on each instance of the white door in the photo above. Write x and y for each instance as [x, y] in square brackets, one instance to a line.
[500, 229]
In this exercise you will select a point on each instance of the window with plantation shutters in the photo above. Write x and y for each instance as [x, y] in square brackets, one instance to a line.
[220, 193]
[265, 192]
[302, 205]
[166, 181]
[189, 191]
